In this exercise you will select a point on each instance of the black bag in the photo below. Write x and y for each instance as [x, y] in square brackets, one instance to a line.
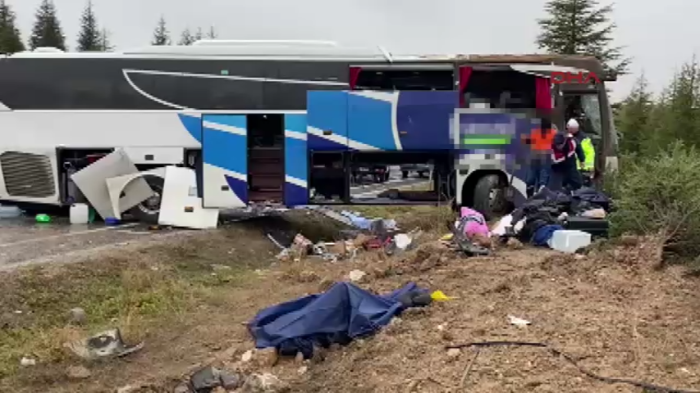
[597, 227]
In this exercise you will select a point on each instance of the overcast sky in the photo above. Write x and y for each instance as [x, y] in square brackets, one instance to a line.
[651, 31]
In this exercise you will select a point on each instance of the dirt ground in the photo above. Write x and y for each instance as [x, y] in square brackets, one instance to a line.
[188, 298]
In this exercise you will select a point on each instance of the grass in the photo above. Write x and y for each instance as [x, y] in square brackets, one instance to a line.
[142, 292]
[136, 293]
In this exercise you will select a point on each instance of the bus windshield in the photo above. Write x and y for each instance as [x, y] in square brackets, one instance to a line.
[585, 108]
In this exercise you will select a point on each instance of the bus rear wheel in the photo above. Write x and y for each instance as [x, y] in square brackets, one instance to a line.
[148, 211]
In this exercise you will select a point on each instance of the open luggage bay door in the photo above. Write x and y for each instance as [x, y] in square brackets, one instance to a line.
[225, 152]
[296, 160]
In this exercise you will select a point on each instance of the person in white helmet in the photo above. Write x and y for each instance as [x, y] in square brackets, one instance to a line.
[586, 166]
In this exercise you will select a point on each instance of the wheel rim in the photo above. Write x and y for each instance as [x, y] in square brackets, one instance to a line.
[497, 201]
[152, 204]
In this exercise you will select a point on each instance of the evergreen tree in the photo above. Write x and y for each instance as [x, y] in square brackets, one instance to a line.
[161, 36]
[581, 27]
[683, 98]
[10, 37]
[211, 34]
[198, 35]
[89, 38]
[47, 30]
[186, 38]
[105, 42]
[634, 117]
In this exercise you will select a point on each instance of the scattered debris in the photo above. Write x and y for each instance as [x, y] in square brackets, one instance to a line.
[127, 389]
[573, 218]
[77, 316]
[518, 321]
[247, 356]
[103, 345]
[356, 275]
[264, 383]
[440, 296]
[211, 379]
[453, 353]
[27, 362]
[78, 372]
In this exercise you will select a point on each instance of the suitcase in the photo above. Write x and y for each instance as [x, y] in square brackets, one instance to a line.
[597, 227]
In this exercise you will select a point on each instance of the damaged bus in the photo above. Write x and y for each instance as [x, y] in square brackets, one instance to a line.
[288, 122]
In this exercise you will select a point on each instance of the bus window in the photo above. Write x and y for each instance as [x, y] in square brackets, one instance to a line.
[585, 108]
[505, 89]
[391, 80]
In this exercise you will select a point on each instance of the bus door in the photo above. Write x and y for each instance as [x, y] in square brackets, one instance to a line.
[225, 156]
[296, 160]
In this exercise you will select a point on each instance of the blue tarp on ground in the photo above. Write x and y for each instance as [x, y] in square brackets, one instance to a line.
[342, 313]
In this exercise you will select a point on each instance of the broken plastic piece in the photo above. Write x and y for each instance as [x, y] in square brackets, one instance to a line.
[518, 321]
[103, 345]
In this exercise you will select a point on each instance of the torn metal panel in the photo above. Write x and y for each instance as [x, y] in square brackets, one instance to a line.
[180, 206]
[131, 190]
[92, 182]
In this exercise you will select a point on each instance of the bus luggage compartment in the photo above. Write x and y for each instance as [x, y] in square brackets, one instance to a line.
[380, 120]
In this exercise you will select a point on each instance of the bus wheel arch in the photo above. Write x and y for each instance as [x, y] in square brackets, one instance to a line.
[148, 211]
[484, 190]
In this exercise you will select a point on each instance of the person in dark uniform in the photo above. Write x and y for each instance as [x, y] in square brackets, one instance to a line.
[540, 141]
[566, 153]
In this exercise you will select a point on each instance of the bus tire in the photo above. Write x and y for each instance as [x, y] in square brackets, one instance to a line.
[483, 194]
[148, 211]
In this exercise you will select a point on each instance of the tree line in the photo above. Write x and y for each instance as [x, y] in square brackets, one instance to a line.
[47, 31]
[572, 27]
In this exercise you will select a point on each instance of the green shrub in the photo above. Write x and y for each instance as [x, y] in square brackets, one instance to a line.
[660, 196]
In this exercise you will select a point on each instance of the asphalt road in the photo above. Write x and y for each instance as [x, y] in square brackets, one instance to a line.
[23, 242]
[370, 189]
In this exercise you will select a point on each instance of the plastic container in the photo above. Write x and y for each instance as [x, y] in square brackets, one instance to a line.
[79, 213]
[569, 241]
[42, 218]
[9, 211]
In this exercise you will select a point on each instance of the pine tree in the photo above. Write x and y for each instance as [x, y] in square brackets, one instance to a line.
[47, 30]
[186, 38]
[89, 38]
[211, 34]
[10, 37]
[683, 103]
[105, 42]
[634, 117]
[198, 35]
[161, 36]
[581, 27]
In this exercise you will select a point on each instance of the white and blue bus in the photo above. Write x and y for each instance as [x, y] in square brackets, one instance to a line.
[282, 121]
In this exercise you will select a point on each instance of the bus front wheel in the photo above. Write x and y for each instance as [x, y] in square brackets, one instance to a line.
[490, 197]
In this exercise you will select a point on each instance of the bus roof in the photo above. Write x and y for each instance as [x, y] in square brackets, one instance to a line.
[314, 50]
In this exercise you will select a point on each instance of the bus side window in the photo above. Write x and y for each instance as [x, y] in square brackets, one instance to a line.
[504, 89]
[392, 80]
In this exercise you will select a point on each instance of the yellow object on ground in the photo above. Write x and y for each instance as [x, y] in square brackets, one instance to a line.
[447, 237]
[439, 296]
